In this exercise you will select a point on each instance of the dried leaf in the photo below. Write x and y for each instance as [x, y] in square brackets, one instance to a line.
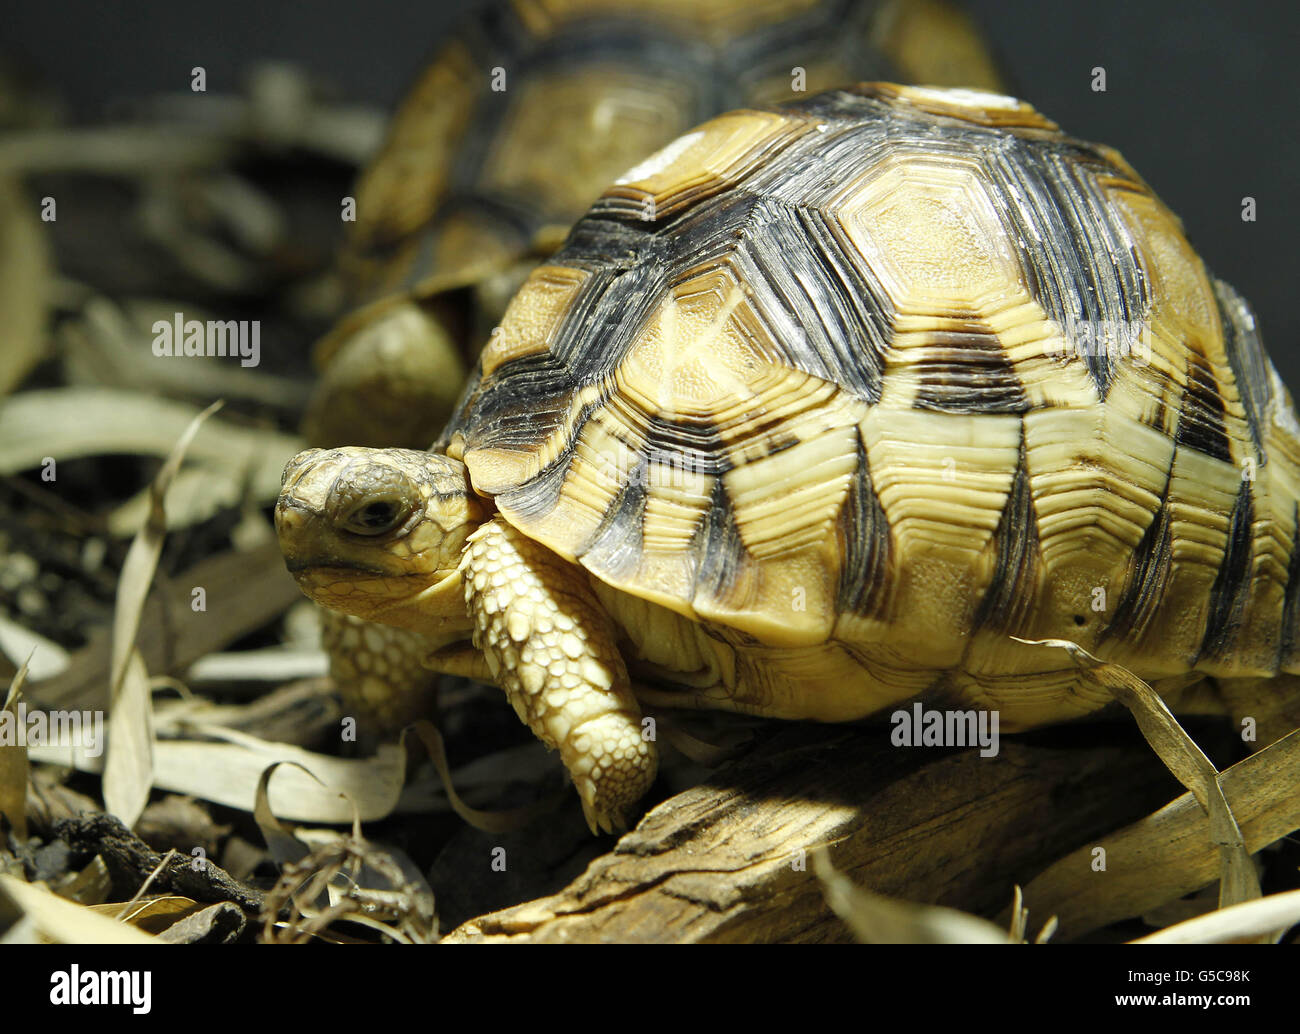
[1166, 855]
[228, 773]
[151, 914]
[128, 768]
[221, 923]
[52, 919]
[1184, 759]
[875, 919]
[487, 821]
[276, 664]
[14, 764]
[68, 423]
[283, 845]
[129, 760]
[25, 278]
[1249, 920]
[45, 657]
[88, 887]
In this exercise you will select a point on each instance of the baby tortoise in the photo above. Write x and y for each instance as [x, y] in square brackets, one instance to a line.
[894, 376]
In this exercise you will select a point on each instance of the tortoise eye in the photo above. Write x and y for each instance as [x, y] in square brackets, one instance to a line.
[376, 517]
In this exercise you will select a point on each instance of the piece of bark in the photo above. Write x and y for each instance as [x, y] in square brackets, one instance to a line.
[245, 590]
[130, 861]
[726, 861]
[1169, 854]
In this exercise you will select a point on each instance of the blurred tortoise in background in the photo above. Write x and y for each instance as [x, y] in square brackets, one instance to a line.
[894, 376]
[515, 127]
[522, 118]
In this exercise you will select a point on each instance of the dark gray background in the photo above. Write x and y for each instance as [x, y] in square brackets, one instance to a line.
[1201, 98]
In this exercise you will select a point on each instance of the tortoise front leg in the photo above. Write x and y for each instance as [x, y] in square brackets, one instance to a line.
[551, 647]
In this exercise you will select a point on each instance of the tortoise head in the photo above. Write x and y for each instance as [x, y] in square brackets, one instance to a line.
[378, 533]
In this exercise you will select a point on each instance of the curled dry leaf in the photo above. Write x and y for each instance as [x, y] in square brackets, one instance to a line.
[1184, 759]
[151, 914]
[281, 842]
[487, 821]
[222, 923]
[228, 773]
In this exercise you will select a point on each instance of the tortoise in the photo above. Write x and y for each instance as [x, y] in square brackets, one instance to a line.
[519, 122]
[896, 378]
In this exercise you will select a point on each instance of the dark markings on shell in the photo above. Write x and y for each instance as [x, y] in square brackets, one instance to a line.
[1251, 370]
[851, 307]
[1290, 638]
[611, 246]
[695, 447]
[1010, 596]
[843, 104]
[616, 547]
[836, 28]
[510, 420]
[968, 372]
[1201, 423]
[1231, 590]
[1149, 571]
[717, 550]
[1158, 416]
[1085, 274]
[712, 76]
[538, 496]
[866, 545]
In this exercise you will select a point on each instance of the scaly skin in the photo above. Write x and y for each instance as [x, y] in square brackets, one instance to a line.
[436, 564]
[379, 671]
[551, 648]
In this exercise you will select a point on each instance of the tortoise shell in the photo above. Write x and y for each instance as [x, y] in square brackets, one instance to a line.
[909, 371]
[533, 106]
